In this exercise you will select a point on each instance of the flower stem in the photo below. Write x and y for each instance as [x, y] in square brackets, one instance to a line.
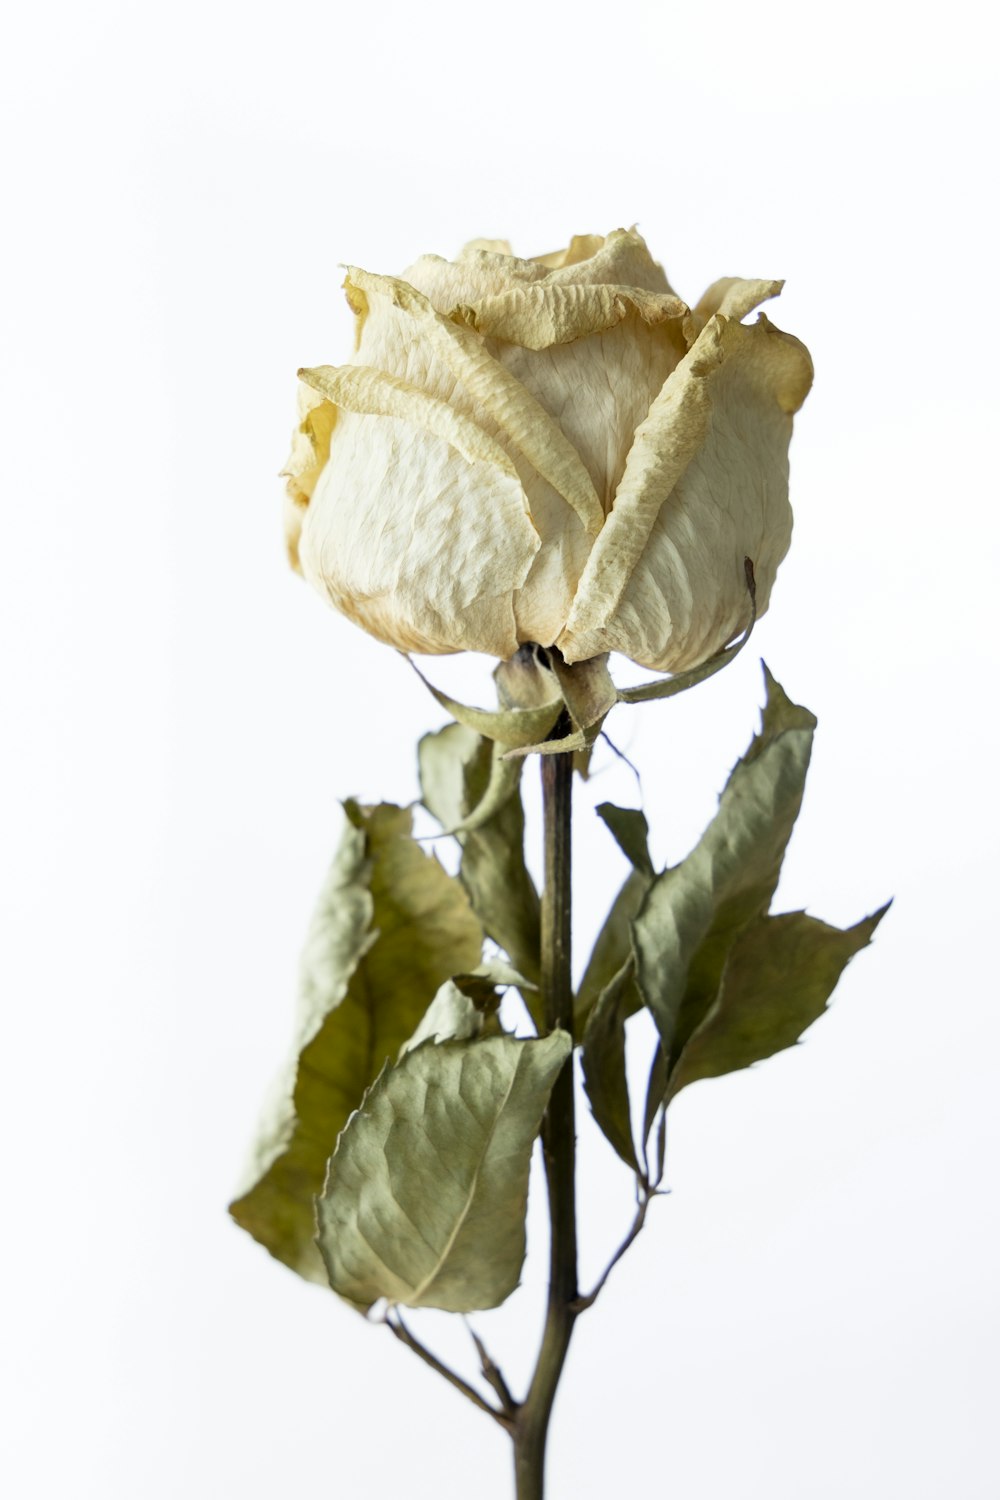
[531, 1423]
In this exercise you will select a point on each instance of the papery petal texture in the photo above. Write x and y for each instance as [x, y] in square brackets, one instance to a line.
[555, 449]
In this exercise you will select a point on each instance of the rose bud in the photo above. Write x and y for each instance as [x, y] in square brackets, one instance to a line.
[555, 450]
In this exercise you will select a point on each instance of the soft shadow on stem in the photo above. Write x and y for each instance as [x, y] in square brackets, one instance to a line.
[531, 1422]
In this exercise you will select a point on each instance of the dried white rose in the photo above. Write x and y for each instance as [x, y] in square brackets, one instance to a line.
[555, 450]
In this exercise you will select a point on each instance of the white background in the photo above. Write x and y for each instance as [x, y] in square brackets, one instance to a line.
[812, 1311]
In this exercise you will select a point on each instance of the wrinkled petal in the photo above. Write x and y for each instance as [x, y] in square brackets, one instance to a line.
[705, 485]
[541, 314]
[734, 298]
[517, 413]
[554, 450]
[304, 464]
[421, 547]
[599, 389]
[546, 596]
[482, 270]
[375, 393]
[622, 260]
[581, 247]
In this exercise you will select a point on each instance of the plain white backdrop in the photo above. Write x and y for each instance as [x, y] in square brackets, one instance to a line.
[813, 1310]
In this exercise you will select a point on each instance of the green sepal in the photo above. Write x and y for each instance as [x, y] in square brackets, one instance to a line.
[510, 727]
[578, 741]
[425, 1197]
[390, 927]
[587, 689]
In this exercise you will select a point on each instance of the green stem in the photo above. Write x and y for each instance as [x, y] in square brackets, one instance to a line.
[531, 1423]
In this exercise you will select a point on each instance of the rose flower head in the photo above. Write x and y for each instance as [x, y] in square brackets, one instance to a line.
[555, 450]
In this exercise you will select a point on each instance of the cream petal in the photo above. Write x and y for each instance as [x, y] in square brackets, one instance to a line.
[492, 247]
[304, 464]
[543, 603]
[375, 393]
[704, 487]
[482, 270]
[543, 314]
[734, 298]
[581, 247]
[293, 513]
[419, 546]
[622, 260]
[524, 422]
[599, 389]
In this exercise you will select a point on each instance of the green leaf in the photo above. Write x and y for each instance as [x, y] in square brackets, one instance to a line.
[389, 928]
[694, 912]
[604, 1076]
[630, 831]
[655, 1110]
[455, 770]
[452, 1015]
[425, 1197]
[780, 975]
[504, 781]
[613, 947]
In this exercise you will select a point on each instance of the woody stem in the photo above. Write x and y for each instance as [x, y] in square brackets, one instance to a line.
[531, 1423]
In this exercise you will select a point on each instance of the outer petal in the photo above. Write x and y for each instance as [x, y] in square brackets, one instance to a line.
[419, 545]
[540, 314]
[310, 450]
[394, 342]
[734, 298]
[377, 394]
[623, 259]
[484, 268]
[581, 247]
[705, 485]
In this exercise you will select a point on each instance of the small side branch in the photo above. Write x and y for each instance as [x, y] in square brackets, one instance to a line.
[646, 1194]
[493, 1375]
[401, 1332]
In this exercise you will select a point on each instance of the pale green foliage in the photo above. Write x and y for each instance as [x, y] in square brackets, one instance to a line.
[727, 985]
[455, 774]
[613, 948]
[390, 927]
[779, 975]
[451, 1016]
[604, 1065]
[405, 1122]
[693, 912]
[426, 1193]
[508, 726]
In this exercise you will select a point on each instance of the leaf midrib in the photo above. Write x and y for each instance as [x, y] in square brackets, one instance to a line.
[432, 1275]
